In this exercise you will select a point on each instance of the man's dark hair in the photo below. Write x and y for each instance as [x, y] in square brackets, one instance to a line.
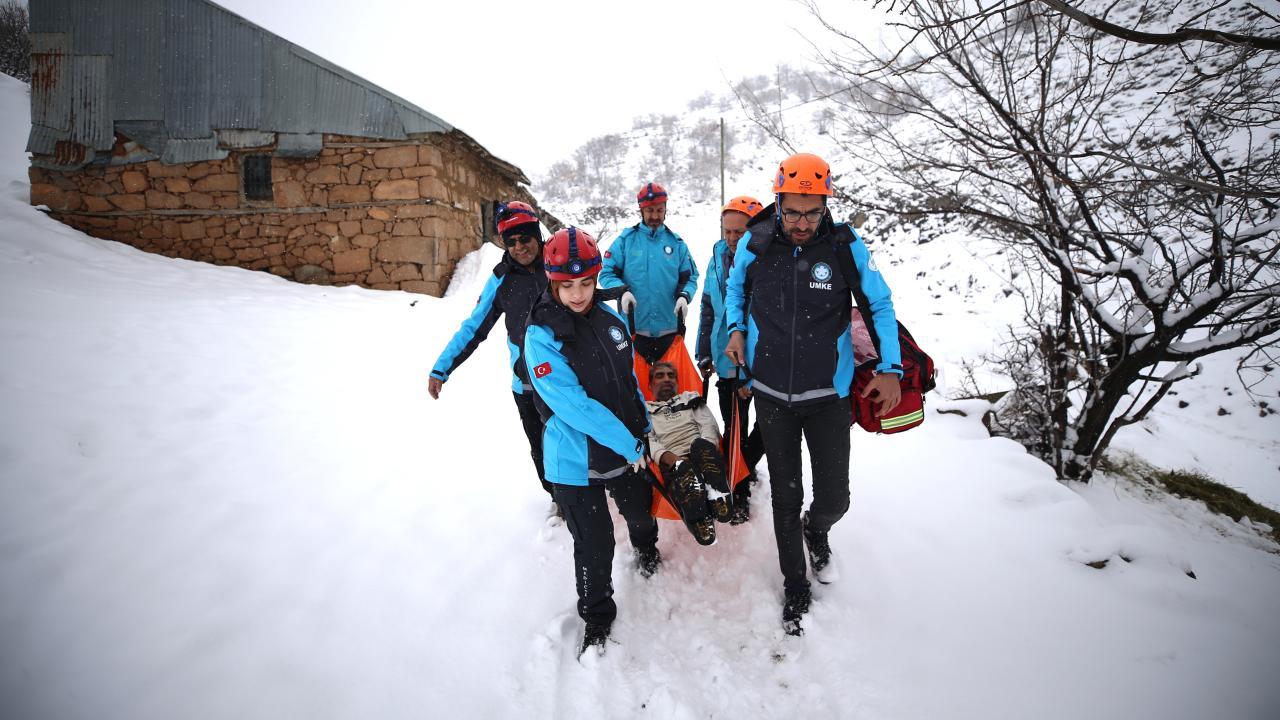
[654, 368]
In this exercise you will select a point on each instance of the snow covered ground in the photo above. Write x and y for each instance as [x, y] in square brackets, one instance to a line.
[226, 495]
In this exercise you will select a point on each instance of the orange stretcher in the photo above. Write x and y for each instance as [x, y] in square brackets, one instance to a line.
[688, 378]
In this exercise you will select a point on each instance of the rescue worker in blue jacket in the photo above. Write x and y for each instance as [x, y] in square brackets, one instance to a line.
[649, 269]
[713, 336]
[579, 357]
[517, 280]
[790, 296]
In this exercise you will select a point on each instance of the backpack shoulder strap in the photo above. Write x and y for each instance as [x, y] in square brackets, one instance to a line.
[842, 237]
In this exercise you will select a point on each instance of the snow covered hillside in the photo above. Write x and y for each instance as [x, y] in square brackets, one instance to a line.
[226, 495]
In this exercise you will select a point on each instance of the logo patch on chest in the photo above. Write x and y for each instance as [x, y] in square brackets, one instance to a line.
[667, 249]
[618, 336]
[821, 274]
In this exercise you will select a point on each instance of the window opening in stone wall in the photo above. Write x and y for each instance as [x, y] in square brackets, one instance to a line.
[257, 177]
[488, 210]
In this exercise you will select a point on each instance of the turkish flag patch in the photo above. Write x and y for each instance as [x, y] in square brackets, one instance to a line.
[608, 254]
[542, 370]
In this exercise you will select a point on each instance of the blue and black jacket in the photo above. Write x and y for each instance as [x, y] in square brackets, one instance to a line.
[713, 323]
[655, 265]
[511, 291]
[794, 304]
[585, 387]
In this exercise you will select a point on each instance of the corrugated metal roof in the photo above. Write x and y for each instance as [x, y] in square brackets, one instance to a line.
[138, 60]
[48, 16]
[237, 84]
[43, 140]
[96, 18]
[147, 133]
[181, 151]
[91, 103]
[298, 145]
[193, 68]
[245, 138]
[188, 69]
[50, 80]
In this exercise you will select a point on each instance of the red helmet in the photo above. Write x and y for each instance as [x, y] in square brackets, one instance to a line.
[744, 204]
[512, 215]
[571, 254]
[651, 194]
[803, 174]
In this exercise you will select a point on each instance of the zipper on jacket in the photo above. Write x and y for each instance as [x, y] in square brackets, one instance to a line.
[795, 303]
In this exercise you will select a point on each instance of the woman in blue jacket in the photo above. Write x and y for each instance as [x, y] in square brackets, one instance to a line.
[579, 358]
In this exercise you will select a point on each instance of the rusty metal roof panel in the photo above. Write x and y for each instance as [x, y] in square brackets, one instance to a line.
[236, 64]
[43, 140]
[51, 80]
[188, 69]
[138, 59]
[189, 150]
[91, 123]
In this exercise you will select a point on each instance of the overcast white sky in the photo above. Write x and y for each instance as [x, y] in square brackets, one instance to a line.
[533, 81]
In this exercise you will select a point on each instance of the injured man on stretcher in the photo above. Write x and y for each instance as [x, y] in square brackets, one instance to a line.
[685, 442]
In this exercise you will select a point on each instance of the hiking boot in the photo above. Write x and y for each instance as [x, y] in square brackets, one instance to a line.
[721, 510]
[704, 530]
[741, 504]
[690, 498]
[794, 607]
[711, 469]
[647, 560]
[595, 636]
[819, 553]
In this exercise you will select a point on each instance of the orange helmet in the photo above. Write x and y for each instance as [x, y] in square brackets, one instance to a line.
[803, 174]
[744, 204]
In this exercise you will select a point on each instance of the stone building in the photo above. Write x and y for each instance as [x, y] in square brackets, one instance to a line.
[182, 129]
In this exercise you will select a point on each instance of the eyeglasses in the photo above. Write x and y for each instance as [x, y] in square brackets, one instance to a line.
[511, 241]
[813, 216]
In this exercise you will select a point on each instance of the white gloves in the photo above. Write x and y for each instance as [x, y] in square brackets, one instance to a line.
[627, 303]
[682, 306]
[639, 466]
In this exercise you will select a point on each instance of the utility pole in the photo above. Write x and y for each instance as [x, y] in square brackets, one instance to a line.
[721, 162]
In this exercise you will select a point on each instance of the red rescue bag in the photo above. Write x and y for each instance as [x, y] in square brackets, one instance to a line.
[917, 379]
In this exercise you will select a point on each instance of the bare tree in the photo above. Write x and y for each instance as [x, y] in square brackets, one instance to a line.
[1139, 181]
[15, 44]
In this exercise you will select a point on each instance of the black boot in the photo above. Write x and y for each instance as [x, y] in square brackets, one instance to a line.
[690, 497]
[595, 635]
[741, 504]
[647, 560]
[794, 608]
[819, 552]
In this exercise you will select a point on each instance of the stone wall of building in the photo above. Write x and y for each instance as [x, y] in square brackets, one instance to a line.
[387, 215]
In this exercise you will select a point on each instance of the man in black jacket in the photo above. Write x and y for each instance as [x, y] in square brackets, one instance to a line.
[517, 281]
[789, 300]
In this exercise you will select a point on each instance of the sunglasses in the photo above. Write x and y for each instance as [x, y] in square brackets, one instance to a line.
[511, 241]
